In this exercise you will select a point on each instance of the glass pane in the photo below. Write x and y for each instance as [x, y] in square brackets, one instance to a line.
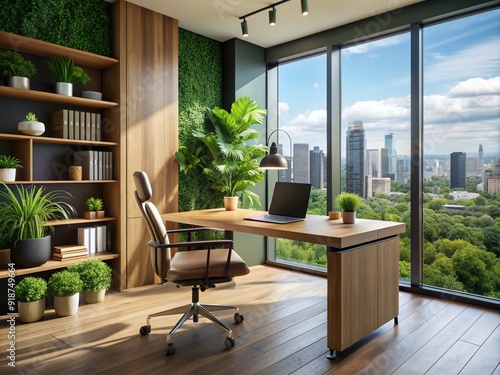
[302, 114]
[462, 154]
[375, 132]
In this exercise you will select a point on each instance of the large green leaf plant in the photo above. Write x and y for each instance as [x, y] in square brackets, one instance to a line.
[229, 153]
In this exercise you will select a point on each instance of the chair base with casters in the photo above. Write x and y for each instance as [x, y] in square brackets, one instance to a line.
[203, 265]
[194, 310]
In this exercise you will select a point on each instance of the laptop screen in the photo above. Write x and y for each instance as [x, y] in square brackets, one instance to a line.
[290, 199]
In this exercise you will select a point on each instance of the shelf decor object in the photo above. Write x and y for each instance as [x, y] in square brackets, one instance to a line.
[16, 69]
[30, 125]
[8, 167]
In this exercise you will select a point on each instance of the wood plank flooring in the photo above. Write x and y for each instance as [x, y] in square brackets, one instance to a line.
[284, 332]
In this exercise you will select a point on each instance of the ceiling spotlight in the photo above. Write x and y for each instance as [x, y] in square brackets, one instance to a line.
[272, 17]
[305, 7]
[244, 28]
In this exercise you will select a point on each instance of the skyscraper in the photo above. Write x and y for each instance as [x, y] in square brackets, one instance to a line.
[480, 163]
[391, 151]
[317, 170]
[301, 162]
[458, 163]
[355, 158]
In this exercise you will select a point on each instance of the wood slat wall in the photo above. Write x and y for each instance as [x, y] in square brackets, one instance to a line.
[284, 332]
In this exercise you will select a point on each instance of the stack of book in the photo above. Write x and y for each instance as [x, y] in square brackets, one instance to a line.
[70, 124]
[93, 238]
[70, 252]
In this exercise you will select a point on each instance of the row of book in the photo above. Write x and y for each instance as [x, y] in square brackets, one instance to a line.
[80, 125]
[66, 252]
[96, 165]
[93, 238]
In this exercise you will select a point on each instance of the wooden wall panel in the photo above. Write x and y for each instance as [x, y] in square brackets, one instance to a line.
[152, 123]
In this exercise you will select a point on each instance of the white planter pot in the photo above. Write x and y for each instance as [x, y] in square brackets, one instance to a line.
[31, 311]
[349, 217]
[31, 127]
[230, 203]
[8, 174]
[66, 306]
[93, 297]
[19, 82]
[64, 88]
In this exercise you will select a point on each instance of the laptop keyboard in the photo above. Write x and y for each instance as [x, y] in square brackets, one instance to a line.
[279, 218]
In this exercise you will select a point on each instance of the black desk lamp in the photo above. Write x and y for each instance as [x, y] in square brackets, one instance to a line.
[273, 160]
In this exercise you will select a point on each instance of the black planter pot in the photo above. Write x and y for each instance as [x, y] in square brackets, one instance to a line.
[31, 253]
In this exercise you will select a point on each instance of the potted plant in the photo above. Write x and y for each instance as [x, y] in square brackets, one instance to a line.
[65, 286]
[8, 167]
[66, 73]
[24, 218]
[348, 202]
[16, 69]
[96, 277]
[94, 208]
[228, 158]
[30, 295]
[30, 125]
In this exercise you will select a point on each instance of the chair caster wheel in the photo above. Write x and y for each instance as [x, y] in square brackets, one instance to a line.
[238, 318]
[229, 343]
[170, 349]
[145, 330]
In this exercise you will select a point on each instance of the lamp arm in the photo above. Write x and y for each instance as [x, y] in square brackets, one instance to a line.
[281, 130]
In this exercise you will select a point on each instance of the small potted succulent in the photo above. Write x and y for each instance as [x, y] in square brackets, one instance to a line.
[65, 286]
[8, 167]
[66, 73]
[94, 208]
[96, 277]
[30, 125]
[348, 202]
[30, 295]
[16, 69]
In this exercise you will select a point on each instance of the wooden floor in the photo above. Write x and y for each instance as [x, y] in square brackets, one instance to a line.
[284, 332]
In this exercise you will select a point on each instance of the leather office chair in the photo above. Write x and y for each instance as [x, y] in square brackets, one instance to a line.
[200, 269]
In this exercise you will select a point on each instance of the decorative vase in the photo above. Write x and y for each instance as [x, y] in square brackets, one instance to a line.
[349, 217]
[230, 203]
[31, 311]
[67, 305]
[19, 82]
[94, 297]
[8, 174]
[96, 95]
[31, 252]
[31, 127]
[64, 88]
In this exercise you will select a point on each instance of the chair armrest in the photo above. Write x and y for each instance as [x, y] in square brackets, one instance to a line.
[208, 244]
[196, 229]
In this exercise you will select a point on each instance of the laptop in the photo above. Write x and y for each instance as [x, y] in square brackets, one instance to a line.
[288, 205]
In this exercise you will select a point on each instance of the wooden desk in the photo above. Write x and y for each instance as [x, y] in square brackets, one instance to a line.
[363, 265]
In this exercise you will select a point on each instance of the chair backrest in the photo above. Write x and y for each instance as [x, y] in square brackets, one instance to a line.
[160, 257]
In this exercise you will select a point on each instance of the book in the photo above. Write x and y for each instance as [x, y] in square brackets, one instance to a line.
[82, 125]
[59, 124]
[70, 248]
[101, 238]
[76, 122]
[71, 124]
[93, 126]
[98, 136]
[70, 258]
[87, 126]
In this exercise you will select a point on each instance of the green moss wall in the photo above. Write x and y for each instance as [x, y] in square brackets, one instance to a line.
[200, 86]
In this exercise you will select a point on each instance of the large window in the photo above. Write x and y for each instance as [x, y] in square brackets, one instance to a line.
[462, 154]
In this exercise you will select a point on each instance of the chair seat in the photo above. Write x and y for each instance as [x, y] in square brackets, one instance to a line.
[191, 265]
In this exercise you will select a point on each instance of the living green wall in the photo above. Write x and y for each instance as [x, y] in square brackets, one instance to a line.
[83, 25]
[200, 87]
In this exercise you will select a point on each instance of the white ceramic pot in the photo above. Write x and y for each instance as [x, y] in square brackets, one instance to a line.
[19, 82]
[230, 203]
[349, 217]
[64, 88]
[65, 306]
[93, 297]
[31, 127]
[31, 311]
[8, 174]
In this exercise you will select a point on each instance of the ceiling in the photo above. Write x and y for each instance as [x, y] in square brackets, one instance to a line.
[219, 19]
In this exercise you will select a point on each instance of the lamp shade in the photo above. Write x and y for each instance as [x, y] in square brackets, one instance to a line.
[272, 17]
[304, 7]
[273, 160]
[244, 28]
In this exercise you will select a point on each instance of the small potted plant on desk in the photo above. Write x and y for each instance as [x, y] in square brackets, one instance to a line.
[65, 286]
[94, 208]
[24, 217]
[348, 202]
[8, 167]
[30, 295]
[16, 69]
[96, 277]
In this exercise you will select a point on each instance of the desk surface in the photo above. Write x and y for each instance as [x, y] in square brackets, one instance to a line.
[314, 229]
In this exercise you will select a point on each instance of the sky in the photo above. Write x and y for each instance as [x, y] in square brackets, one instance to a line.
[461, 90]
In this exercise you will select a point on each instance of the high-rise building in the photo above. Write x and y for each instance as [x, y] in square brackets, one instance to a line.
[317, 168]
[355, 158]
[458, 163]
[391, 149]
[373, 162]
[480, 163]
[301, 162]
